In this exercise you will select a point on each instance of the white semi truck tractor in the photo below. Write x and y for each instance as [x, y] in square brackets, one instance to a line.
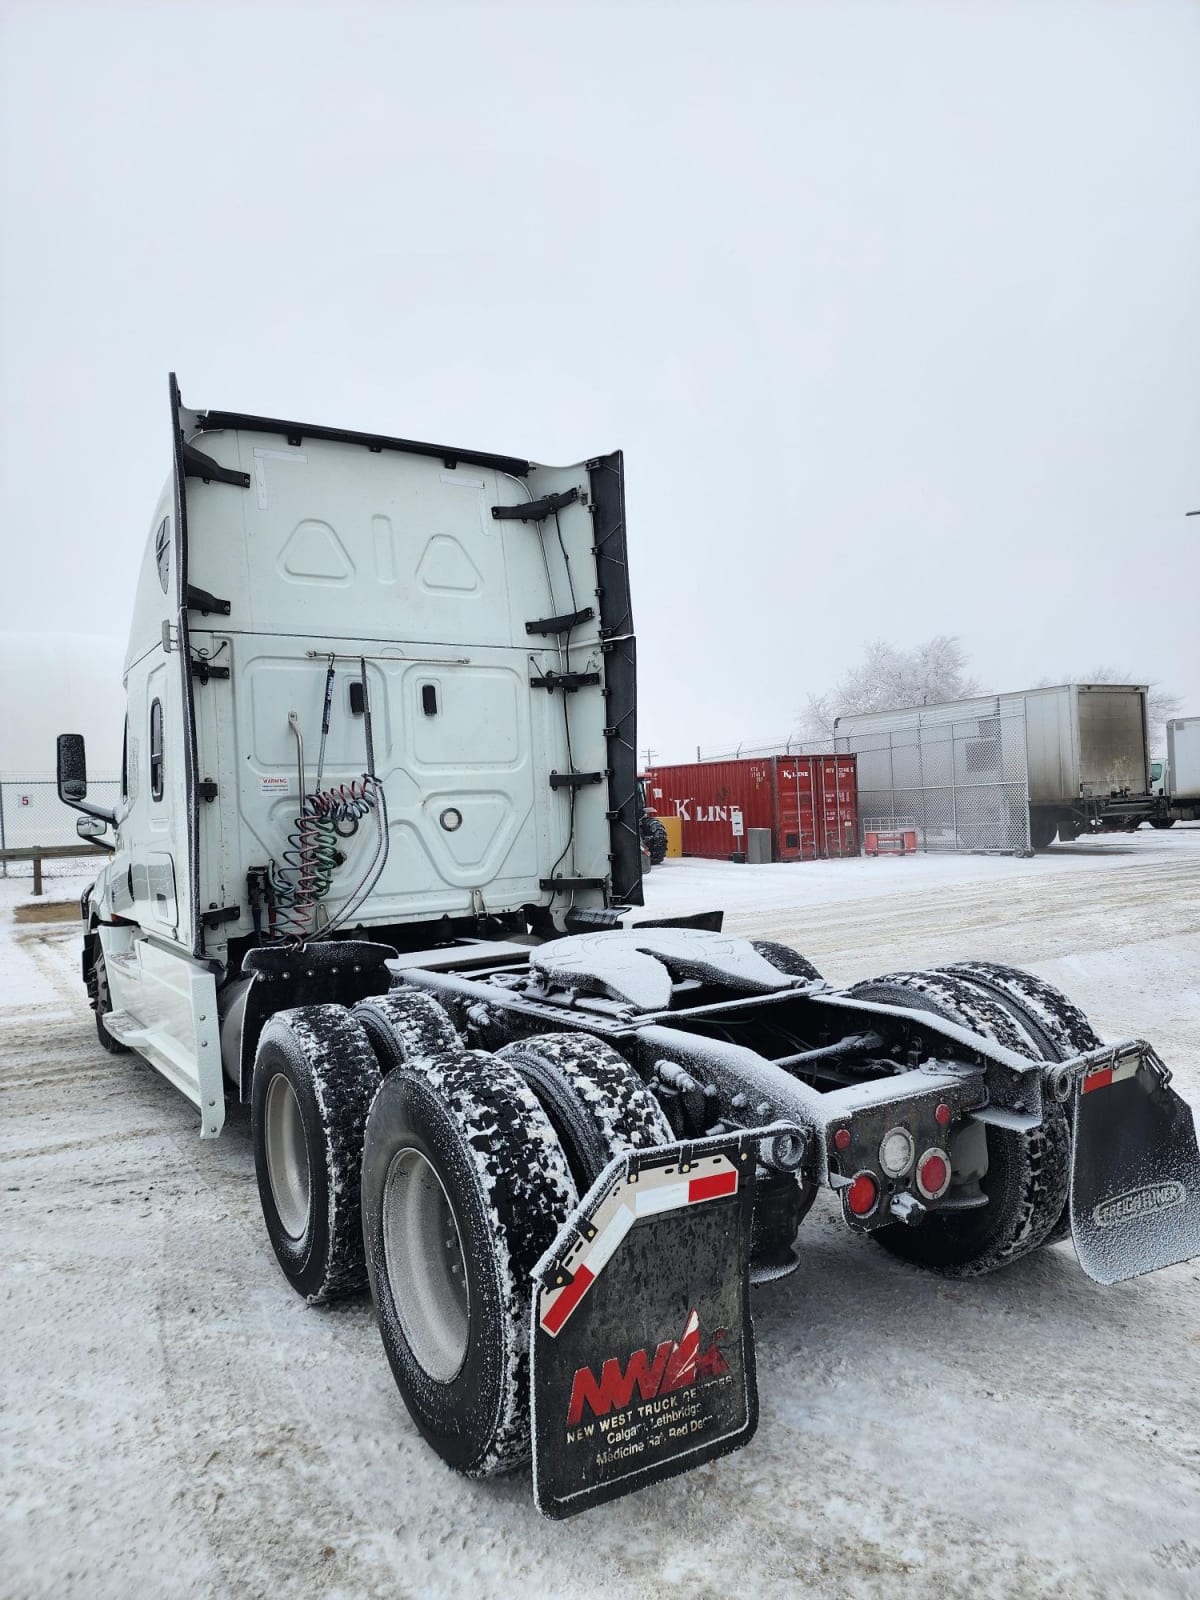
[374, 873]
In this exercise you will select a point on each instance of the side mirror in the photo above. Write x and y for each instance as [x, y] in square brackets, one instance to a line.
[72, 779]
[72, 768]
[90, 827]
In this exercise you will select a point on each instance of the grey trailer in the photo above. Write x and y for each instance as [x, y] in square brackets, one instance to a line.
[1058, 761]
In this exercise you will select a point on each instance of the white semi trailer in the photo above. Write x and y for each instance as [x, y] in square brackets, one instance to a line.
[1084, 758]
[376, 844]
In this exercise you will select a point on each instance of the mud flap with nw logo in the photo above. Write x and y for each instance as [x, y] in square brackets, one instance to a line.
[643, 1354]
[1135, 1173]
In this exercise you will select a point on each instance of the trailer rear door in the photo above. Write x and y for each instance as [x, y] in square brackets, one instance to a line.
[1112, 739]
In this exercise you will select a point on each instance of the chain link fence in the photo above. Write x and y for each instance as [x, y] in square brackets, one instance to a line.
[964, 783]
[31, 813]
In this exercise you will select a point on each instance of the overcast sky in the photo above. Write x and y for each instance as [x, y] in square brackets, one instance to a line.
[893, 307]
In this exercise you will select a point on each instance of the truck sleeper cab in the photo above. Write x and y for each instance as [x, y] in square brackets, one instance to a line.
[374, 862]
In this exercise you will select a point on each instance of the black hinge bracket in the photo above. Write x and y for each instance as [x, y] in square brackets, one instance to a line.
[536, 510]
[567, 681]
[201, 600]
[207, 789]
[203, 669]
[553, 625]
[214, 918]
[573, 883]
[198, 465]
[575, 780]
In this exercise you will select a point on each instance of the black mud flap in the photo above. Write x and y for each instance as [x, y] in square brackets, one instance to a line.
[1135, 1172]
[643, 1352]
[706, 921]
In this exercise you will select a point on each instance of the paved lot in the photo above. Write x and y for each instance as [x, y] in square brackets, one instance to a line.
[176, 1422]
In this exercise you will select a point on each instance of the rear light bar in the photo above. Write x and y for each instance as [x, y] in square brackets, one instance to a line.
[892, 1158]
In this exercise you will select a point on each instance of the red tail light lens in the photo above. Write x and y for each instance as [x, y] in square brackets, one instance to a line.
[863, 1195]
[841, 1139]
[933, 1174]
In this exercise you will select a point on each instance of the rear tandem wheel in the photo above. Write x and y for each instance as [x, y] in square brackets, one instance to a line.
[404, 1025]
[784, 959]
[314, 1077]
[597, 1104]
[1028, 1173]
[472, 1163]
[464, 1188]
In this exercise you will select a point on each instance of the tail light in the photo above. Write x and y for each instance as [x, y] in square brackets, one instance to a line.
[933, 1174]
[863, 1195]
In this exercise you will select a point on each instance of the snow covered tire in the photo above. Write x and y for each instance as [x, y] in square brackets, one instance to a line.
[596, 1102]
[656, 841]
[314, 1078]
[404, 1025]
[1028, 1173]
[784, 959]
[472, 1125]
[1058, 1024]
[101, 998]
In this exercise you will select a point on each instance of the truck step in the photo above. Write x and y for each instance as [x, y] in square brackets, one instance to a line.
[124, 1027]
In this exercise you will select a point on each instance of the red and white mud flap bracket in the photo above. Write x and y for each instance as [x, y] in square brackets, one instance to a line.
[643, 1351]
[1135, 1164]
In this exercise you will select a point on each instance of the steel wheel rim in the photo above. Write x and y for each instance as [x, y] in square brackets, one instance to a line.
[425, 1265]
[287, 1157]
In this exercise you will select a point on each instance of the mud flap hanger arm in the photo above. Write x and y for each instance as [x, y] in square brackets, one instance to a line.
[1061, 1077]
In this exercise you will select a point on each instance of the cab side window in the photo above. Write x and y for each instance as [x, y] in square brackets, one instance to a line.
[125, 762]
[156, 750]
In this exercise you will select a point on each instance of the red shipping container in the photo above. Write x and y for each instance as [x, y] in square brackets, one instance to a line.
[808, 803]
[716, 801]
[817, 815]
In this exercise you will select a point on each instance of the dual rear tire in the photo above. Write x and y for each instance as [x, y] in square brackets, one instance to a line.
[315, 1075]
[1028, 1172]
[389, 1155]
[472, 1163]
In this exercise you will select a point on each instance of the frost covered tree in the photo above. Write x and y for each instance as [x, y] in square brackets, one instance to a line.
[888, 678]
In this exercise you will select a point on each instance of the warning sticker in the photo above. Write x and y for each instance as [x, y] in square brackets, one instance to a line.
[275, 783]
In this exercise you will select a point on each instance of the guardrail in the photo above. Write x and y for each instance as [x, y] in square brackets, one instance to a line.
[37, 853]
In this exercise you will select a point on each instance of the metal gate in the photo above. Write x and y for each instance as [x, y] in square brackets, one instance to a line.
[965, 783]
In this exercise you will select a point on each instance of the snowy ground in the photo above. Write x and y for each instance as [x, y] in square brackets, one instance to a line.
[177, 1423]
